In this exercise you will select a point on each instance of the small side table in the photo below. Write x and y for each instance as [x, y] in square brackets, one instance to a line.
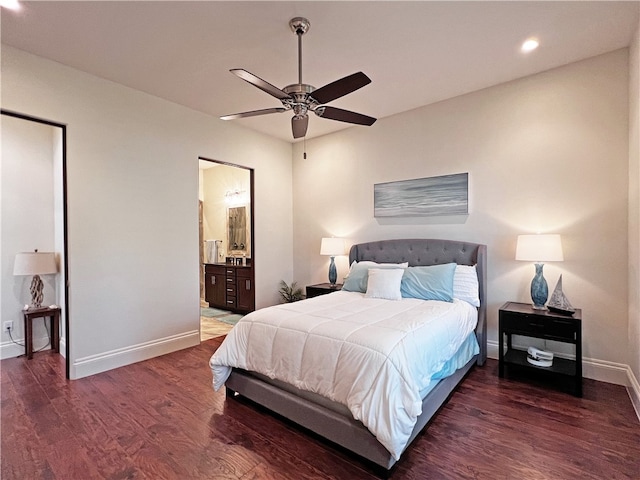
[322, 289]
[521, 319]
[54, 318]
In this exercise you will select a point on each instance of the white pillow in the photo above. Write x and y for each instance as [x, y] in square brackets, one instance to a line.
[384, 283]
[356, 280]
[465, 284]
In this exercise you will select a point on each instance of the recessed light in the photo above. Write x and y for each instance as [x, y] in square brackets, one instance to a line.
[10, 4]
[530, 45]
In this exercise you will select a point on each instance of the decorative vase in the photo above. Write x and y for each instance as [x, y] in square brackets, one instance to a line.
[539, 289]
[333, 273]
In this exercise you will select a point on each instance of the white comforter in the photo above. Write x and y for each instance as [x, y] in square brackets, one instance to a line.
[372, 355]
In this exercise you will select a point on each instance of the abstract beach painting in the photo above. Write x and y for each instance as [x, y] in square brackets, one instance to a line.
[443, 195]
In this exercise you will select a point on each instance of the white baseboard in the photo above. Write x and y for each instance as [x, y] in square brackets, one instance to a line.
[11, 350]
[634, 392]
[86, 366]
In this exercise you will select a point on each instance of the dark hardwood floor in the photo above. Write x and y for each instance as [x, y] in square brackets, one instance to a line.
[161, 419]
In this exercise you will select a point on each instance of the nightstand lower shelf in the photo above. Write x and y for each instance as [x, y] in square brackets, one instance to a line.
[560, 366]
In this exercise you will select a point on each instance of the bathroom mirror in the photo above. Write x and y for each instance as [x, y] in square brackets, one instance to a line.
[226, 193]
[237, 221]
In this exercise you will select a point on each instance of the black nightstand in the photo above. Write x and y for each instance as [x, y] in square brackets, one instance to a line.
[322, 289]
[522, 319]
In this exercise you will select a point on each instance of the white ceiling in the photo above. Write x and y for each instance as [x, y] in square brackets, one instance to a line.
[416, 53]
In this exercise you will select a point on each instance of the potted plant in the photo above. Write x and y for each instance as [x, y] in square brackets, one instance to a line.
[290, 293]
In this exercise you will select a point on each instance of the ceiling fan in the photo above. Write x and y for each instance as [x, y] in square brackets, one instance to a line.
[302, 98]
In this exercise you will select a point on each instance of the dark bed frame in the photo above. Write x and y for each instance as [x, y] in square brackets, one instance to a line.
[344, 430]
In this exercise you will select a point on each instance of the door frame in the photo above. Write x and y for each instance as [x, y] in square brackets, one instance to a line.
[251, 207]
[65, 263]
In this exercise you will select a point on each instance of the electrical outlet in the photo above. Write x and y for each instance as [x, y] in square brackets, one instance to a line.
[7, 326]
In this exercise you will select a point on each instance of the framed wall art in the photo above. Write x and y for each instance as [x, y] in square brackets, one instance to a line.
[443, 195]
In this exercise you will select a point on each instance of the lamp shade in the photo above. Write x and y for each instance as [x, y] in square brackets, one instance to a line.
[332, 246]
[539, 248]
[35, 263]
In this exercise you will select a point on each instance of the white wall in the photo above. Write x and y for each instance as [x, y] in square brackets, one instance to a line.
[544, 153]
[132, 172]
[27, 221]
[634, 218]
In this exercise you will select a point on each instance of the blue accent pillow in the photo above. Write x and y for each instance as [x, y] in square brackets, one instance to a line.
[434, 282]
[358, 276]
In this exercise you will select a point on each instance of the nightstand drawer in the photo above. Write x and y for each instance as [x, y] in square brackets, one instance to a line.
[525, 324]
[562, 330]
[549, 328]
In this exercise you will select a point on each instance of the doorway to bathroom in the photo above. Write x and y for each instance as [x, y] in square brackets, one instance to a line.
[226, 246]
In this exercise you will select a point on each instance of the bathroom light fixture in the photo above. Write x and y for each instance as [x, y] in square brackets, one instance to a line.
[538, 249]
[233, 193]
[235, 197]
[530, 45]
[10, 4]
[332, 246]
[36, 264]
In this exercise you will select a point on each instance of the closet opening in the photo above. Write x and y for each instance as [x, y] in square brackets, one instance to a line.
[34, 216]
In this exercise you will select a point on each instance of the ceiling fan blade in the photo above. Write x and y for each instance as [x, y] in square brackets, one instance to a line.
[341, 115]
[261, 84]
[299, 126]
[340, 87]
[253, 113]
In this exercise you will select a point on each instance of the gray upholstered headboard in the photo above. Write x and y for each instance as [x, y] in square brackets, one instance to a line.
[423, 251]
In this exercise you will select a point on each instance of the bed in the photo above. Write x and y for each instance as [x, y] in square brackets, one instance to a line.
[329, 417]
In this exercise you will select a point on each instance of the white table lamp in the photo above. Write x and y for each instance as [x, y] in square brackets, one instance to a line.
[36, 264]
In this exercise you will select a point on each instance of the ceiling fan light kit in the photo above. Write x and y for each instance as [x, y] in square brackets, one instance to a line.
[302, 98]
